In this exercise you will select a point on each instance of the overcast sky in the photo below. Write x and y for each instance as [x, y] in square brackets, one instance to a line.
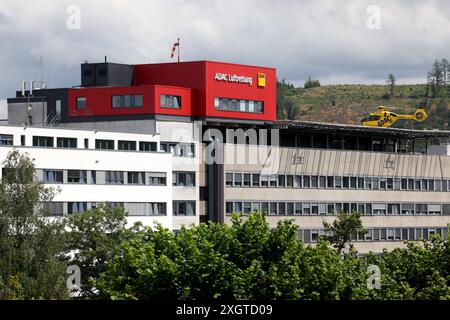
[333, 41]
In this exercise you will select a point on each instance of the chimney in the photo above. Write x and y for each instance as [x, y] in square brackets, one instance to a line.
[24, 87]
[106, 60]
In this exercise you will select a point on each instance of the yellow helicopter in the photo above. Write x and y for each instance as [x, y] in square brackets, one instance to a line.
[385, 118]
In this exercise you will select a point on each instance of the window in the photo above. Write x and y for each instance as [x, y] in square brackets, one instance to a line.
[390, 183]
[290, 208]
[54, 208]
[126, 145]
[338, 182]
[178, 149]
[306, 181]
[434, 209]
[346, 182]
[147, 146]
[289, 181]
[66, 143]
[265, 207]
[183, 208]
[352, 182]
[247, 180]
[104, 144]
[238, 207]
[273, 181]
[314, 181]
[421, 208]
[22, 140]
[77, 176]
[229, 207]
[281, 180]
[157, 209]
[237, 179]
[169, 101]
[81, 103]
[297, 181]
[86, 143]
[264, 181]
[379, 209]
[6, 139]
[183, 179]
[360, 183]
[322, 181]
[410, 184]
[330, 182]
[282, 208]
[306, 208]
[114, 177]
[39, 141]
[393, 209]
[53, 176]
[93, 177]
[298, 208]
[227, 104]
[273, 208]
[368, 183]
[229, 179]
[157, 178]
[136, 178]
[127, 101]
[255, 181]
[76, 207]
[330, 208]
[407, 208]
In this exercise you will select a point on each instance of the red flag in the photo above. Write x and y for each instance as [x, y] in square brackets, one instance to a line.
[176, 44]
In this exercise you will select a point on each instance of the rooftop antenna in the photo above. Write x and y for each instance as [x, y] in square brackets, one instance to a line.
[42, 80]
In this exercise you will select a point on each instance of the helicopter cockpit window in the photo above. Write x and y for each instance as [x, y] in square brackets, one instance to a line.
[370, 117]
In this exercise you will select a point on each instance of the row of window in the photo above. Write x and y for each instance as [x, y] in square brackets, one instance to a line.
[321, 208]
[132, 208]
[100, 144]
[335, 182]
[133, 101]
[227, 104]
[127, 101]
[180, 208]
[103, 177]
[380, 234]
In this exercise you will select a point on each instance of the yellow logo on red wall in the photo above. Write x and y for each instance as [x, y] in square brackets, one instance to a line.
[261, 79]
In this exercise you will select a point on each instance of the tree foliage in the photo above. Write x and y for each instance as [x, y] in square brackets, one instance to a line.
[311, 83]
[30, 243]
[93, 239]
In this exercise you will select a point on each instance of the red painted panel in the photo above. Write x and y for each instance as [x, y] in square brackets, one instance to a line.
[185, 95]
[99, 101]
[243, 91]
[200, 76]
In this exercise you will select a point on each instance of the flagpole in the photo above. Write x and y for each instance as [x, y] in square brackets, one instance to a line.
[178, 49]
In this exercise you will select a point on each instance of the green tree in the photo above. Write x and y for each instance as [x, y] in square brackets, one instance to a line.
[292, 110]
[436, 78]
[94, 240]
[391, 84]
[343, 229]
[31, 265]
[311, 83]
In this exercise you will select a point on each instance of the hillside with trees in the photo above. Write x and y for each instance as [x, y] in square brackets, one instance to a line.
[345, 103]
